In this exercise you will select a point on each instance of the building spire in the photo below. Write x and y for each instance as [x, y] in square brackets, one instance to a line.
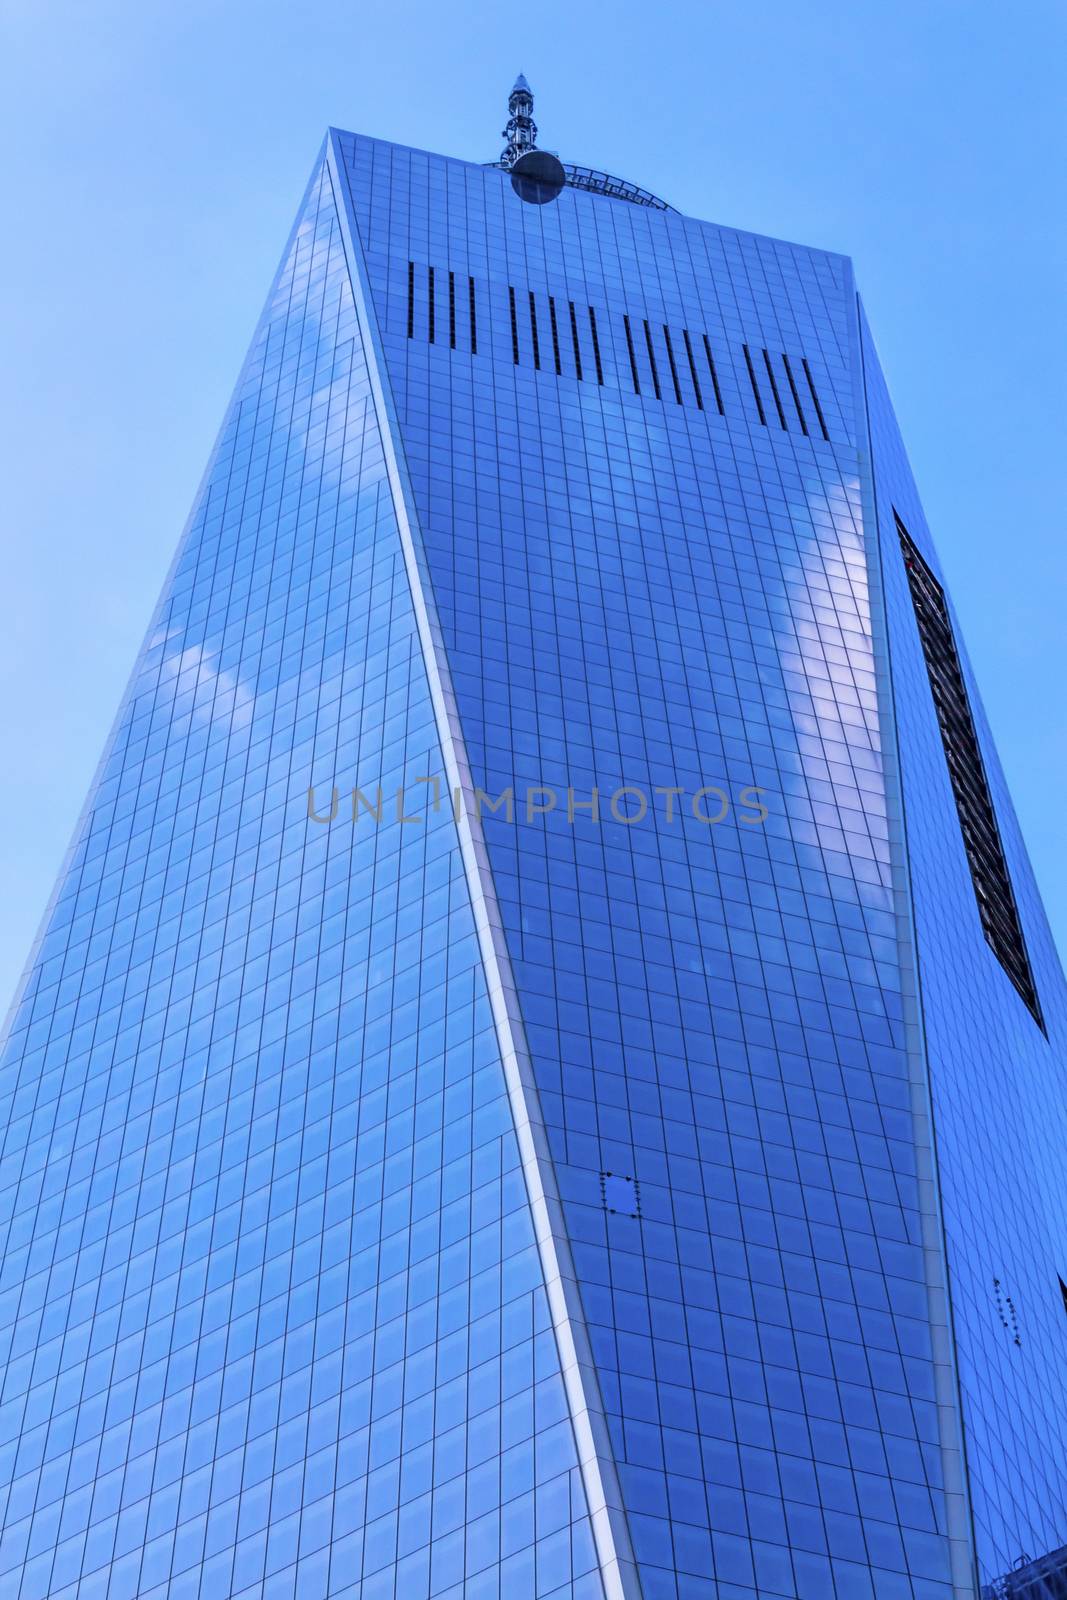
[521, 131]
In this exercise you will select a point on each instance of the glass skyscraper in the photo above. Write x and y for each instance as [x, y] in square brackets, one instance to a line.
[544, 1071]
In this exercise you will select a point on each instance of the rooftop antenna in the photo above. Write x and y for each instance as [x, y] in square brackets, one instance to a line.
[536, 175]
[521, 131]
[539, 176]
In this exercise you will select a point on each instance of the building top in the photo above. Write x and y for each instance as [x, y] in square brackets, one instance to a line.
[539, 176]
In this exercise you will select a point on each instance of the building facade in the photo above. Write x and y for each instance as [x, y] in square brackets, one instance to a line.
[544, 1071]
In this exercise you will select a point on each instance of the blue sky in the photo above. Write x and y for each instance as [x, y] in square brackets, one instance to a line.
[156, 156]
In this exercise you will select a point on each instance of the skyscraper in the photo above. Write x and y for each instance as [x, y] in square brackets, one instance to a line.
[544, 1071]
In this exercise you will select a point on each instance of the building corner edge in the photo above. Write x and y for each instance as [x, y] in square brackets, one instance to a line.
[618, 1566]
[960, 1529]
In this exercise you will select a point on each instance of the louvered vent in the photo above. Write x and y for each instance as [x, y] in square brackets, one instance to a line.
[974, 803]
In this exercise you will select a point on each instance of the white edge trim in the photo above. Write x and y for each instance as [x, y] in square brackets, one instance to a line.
[618, 1567]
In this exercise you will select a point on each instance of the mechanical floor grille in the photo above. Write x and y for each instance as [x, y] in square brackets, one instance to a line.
[974, 803]
[626, 351]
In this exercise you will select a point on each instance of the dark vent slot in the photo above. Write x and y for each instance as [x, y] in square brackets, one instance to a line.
[714, 375]
[574, 340]
[630, 353]
[793, 389]
[693, 368]
[411, 299]
[974, 803]
[514, 326]
[430, 316]
[774, 389]
[533, 332]
[674, 369]
[755, 385]
[815, 397]
[652, 361]
[474, 319]
[555, 333]
[452, 309]
[1063, 1290]
[596, 346]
